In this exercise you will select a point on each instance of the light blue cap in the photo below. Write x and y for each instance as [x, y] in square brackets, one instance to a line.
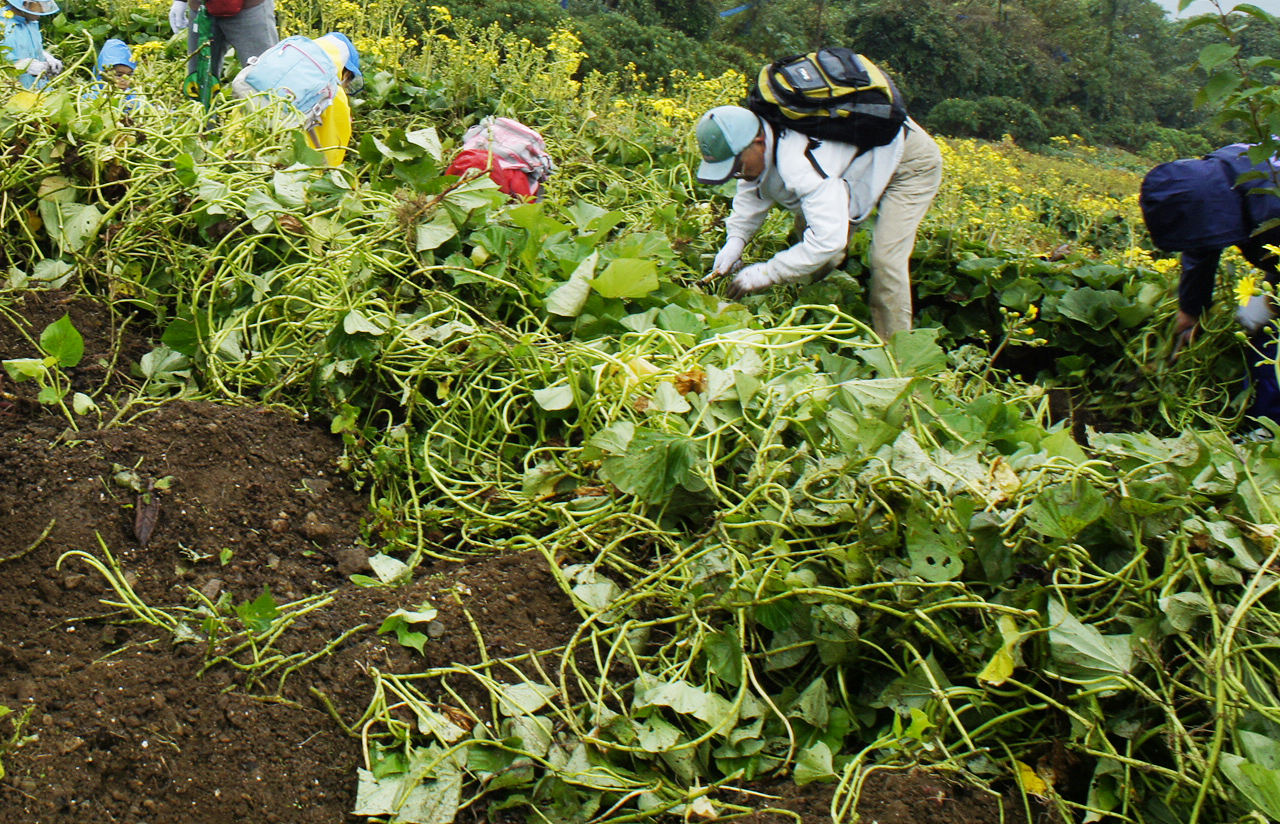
[723, 133]
[353, 57]
[38, 8]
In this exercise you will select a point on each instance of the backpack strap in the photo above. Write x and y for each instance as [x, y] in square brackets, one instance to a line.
[813, 161]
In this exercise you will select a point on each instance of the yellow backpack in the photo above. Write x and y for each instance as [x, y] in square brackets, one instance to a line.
[830, 94]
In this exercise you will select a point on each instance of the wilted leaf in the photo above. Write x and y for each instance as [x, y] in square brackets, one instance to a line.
[553, 398]
[1085, 653]
[569, 297]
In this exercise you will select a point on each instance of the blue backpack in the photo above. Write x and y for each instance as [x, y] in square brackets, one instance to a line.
[297, 71]
[1198, 204]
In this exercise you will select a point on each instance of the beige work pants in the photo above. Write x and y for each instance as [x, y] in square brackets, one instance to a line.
[899, 212]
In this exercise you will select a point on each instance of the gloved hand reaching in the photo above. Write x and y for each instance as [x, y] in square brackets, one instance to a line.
[178, 16]
[33, 67]
[1256, 314]
[55, 65]
[751, 279]
[729, 258]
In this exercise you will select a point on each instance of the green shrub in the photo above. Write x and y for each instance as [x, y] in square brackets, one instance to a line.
[990, 118]
[956, 118]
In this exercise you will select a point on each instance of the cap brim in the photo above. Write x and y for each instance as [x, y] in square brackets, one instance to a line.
[714, 173]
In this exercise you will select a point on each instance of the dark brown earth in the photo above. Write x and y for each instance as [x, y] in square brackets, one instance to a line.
[124, 726]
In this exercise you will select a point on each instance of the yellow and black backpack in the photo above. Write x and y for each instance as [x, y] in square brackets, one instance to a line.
[830, 94]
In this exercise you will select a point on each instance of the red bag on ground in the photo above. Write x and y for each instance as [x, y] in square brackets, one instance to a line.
[510, 151]
[511, 181]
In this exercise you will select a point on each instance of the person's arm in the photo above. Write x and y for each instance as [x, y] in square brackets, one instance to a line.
[826, 235]
[1195, 287]
[750, 208]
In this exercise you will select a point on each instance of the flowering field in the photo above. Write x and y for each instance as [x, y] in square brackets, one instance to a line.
[1016, 544]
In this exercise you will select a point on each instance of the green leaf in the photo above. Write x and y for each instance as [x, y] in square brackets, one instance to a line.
[687, 699]
[553, 398]
[434, 232]
[1085, 653]
[877, 394]
[627, 278]
[569, 297]
[524, 698]
[162, 362]
[1219, 86]
[1216, 54]
[261, 209]
[655, 464]
[63, 341]
[428, 139]
[1064, 509]
[24, 369]
[290, 186]
[260, 613]
[355, 322]
[814, 764]
[398, 623]
[917, 352]
[1182, 610]
[1259, 784]
[83, 404]
[724, 656]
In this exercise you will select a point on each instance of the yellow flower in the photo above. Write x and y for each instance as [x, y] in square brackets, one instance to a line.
[1032, 312]
[1246, 288]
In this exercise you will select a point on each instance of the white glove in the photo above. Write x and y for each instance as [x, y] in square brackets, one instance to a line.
[729, 258]
[1255, 314]
[32, 66]
[751, 279]
[178, 16]
[55, 65]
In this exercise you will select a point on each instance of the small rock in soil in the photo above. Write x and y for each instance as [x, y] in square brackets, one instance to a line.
[313, 529]
[353, 562]
[26, 690]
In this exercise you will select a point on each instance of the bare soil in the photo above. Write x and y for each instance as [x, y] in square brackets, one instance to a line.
[123, 724]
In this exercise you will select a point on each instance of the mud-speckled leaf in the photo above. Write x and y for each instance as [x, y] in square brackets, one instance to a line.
[389, 570]
[814, 764]
[406, 800]
[524, 698]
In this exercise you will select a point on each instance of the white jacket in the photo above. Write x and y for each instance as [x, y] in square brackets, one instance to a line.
[848, 193]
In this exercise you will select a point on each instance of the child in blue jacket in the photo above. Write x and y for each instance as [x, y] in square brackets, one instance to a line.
[22, 44]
